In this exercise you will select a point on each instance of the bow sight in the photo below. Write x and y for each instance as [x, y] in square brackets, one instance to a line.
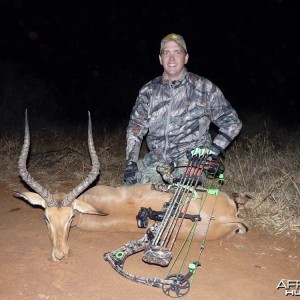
[160, 237]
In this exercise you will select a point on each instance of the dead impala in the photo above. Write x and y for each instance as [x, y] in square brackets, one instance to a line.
[110, 209]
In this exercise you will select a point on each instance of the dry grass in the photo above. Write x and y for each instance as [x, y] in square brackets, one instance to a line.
[58, 157]
[269, 173]
[256, 165]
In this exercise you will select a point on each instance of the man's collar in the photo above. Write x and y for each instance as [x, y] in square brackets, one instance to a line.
[175, 82]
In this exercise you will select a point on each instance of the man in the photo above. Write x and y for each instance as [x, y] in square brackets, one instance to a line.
[174, 112]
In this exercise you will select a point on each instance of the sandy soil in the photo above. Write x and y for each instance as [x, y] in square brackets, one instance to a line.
[243, 267]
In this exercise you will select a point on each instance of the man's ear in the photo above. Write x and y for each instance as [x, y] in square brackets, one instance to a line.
[160, 61]
[186, 59]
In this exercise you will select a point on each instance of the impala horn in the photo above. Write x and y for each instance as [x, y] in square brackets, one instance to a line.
[24, 174]
[70, 197]
[45, 194]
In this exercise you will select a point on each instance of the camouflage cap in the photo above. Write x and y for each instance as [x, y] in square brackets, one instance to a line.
[178, 39]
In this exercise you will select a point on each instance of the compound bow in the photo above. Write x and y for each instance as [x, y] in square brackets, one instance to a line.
[159, 239]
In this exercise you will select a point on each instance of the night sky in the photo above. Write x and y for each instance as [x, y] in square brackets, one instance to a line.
[96, 56]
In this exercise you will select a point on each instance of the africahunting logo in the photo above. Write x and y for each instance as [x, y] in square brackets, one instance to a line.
[291, 287]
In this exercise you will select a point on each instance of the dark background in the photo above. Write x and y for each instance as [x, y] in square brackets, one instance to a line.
[62, 58]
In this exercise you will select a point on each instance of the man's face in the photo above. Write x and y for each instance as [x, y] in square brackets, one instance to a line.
[173, 58]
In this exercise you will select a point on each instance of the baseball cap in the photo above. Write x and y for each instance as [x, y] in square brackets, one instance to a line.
[178, 39]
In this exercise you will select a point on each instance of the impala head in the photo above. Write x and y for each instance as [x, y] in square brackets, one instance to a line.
[59, 210]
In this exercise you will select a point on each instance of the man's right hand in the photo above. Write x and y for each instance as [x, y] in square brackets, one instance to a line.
[130, 173]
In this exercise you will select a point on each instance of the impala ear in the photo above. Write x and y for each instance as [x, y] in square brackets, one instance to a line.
[32, 198]
[86, 208]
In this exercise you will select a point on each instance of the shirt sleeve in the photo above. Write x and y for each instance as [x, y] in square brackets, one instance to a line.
[138, 124]
[224, 116]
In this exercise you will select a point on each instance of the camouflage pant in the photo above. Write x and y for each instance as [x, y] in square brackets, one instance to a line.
[147, 168]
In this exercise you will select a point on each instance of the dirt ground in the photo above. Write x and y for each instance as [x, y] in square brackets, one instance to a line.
[244, 267]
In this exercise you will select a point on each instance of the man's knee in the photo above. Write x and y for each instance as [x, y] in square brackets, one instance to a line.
[150, 177]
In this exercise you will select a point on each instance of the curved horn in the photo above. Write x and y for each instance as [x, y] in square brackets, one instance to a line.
[24, 174]
[70, 197]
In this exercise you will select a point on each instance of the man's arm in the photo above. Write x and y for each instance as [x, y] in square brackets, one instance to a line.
[138, 125]
[224, 116]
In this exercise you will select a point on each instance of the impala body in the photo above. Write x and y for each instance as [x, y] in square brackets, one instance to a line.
[110, 209]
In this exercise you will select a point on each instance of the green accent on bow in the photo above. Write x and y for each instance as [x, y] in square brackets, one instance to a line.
[192, 267]
[221, 177]
[213, 191]
[186, 187]
[120, 255]
[201, 151]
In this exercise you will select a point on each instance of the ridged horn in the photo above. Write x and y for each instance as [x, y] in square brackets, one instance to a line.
[24, 174]
[70, 197]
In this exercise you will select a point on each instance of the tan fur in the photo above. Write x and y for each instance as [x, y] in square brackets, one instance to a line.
[109, 209]
[123, 204]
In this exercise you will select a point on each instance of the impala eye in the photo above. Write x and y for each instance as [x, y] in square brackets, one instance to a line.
[46, 219]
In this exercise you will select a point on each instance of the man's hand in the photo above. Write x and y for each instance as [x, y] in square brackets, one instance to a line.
[130, 173]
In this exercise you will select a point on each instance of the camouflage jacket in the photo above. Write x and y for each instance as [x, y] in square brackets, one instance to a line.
[175, 117]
